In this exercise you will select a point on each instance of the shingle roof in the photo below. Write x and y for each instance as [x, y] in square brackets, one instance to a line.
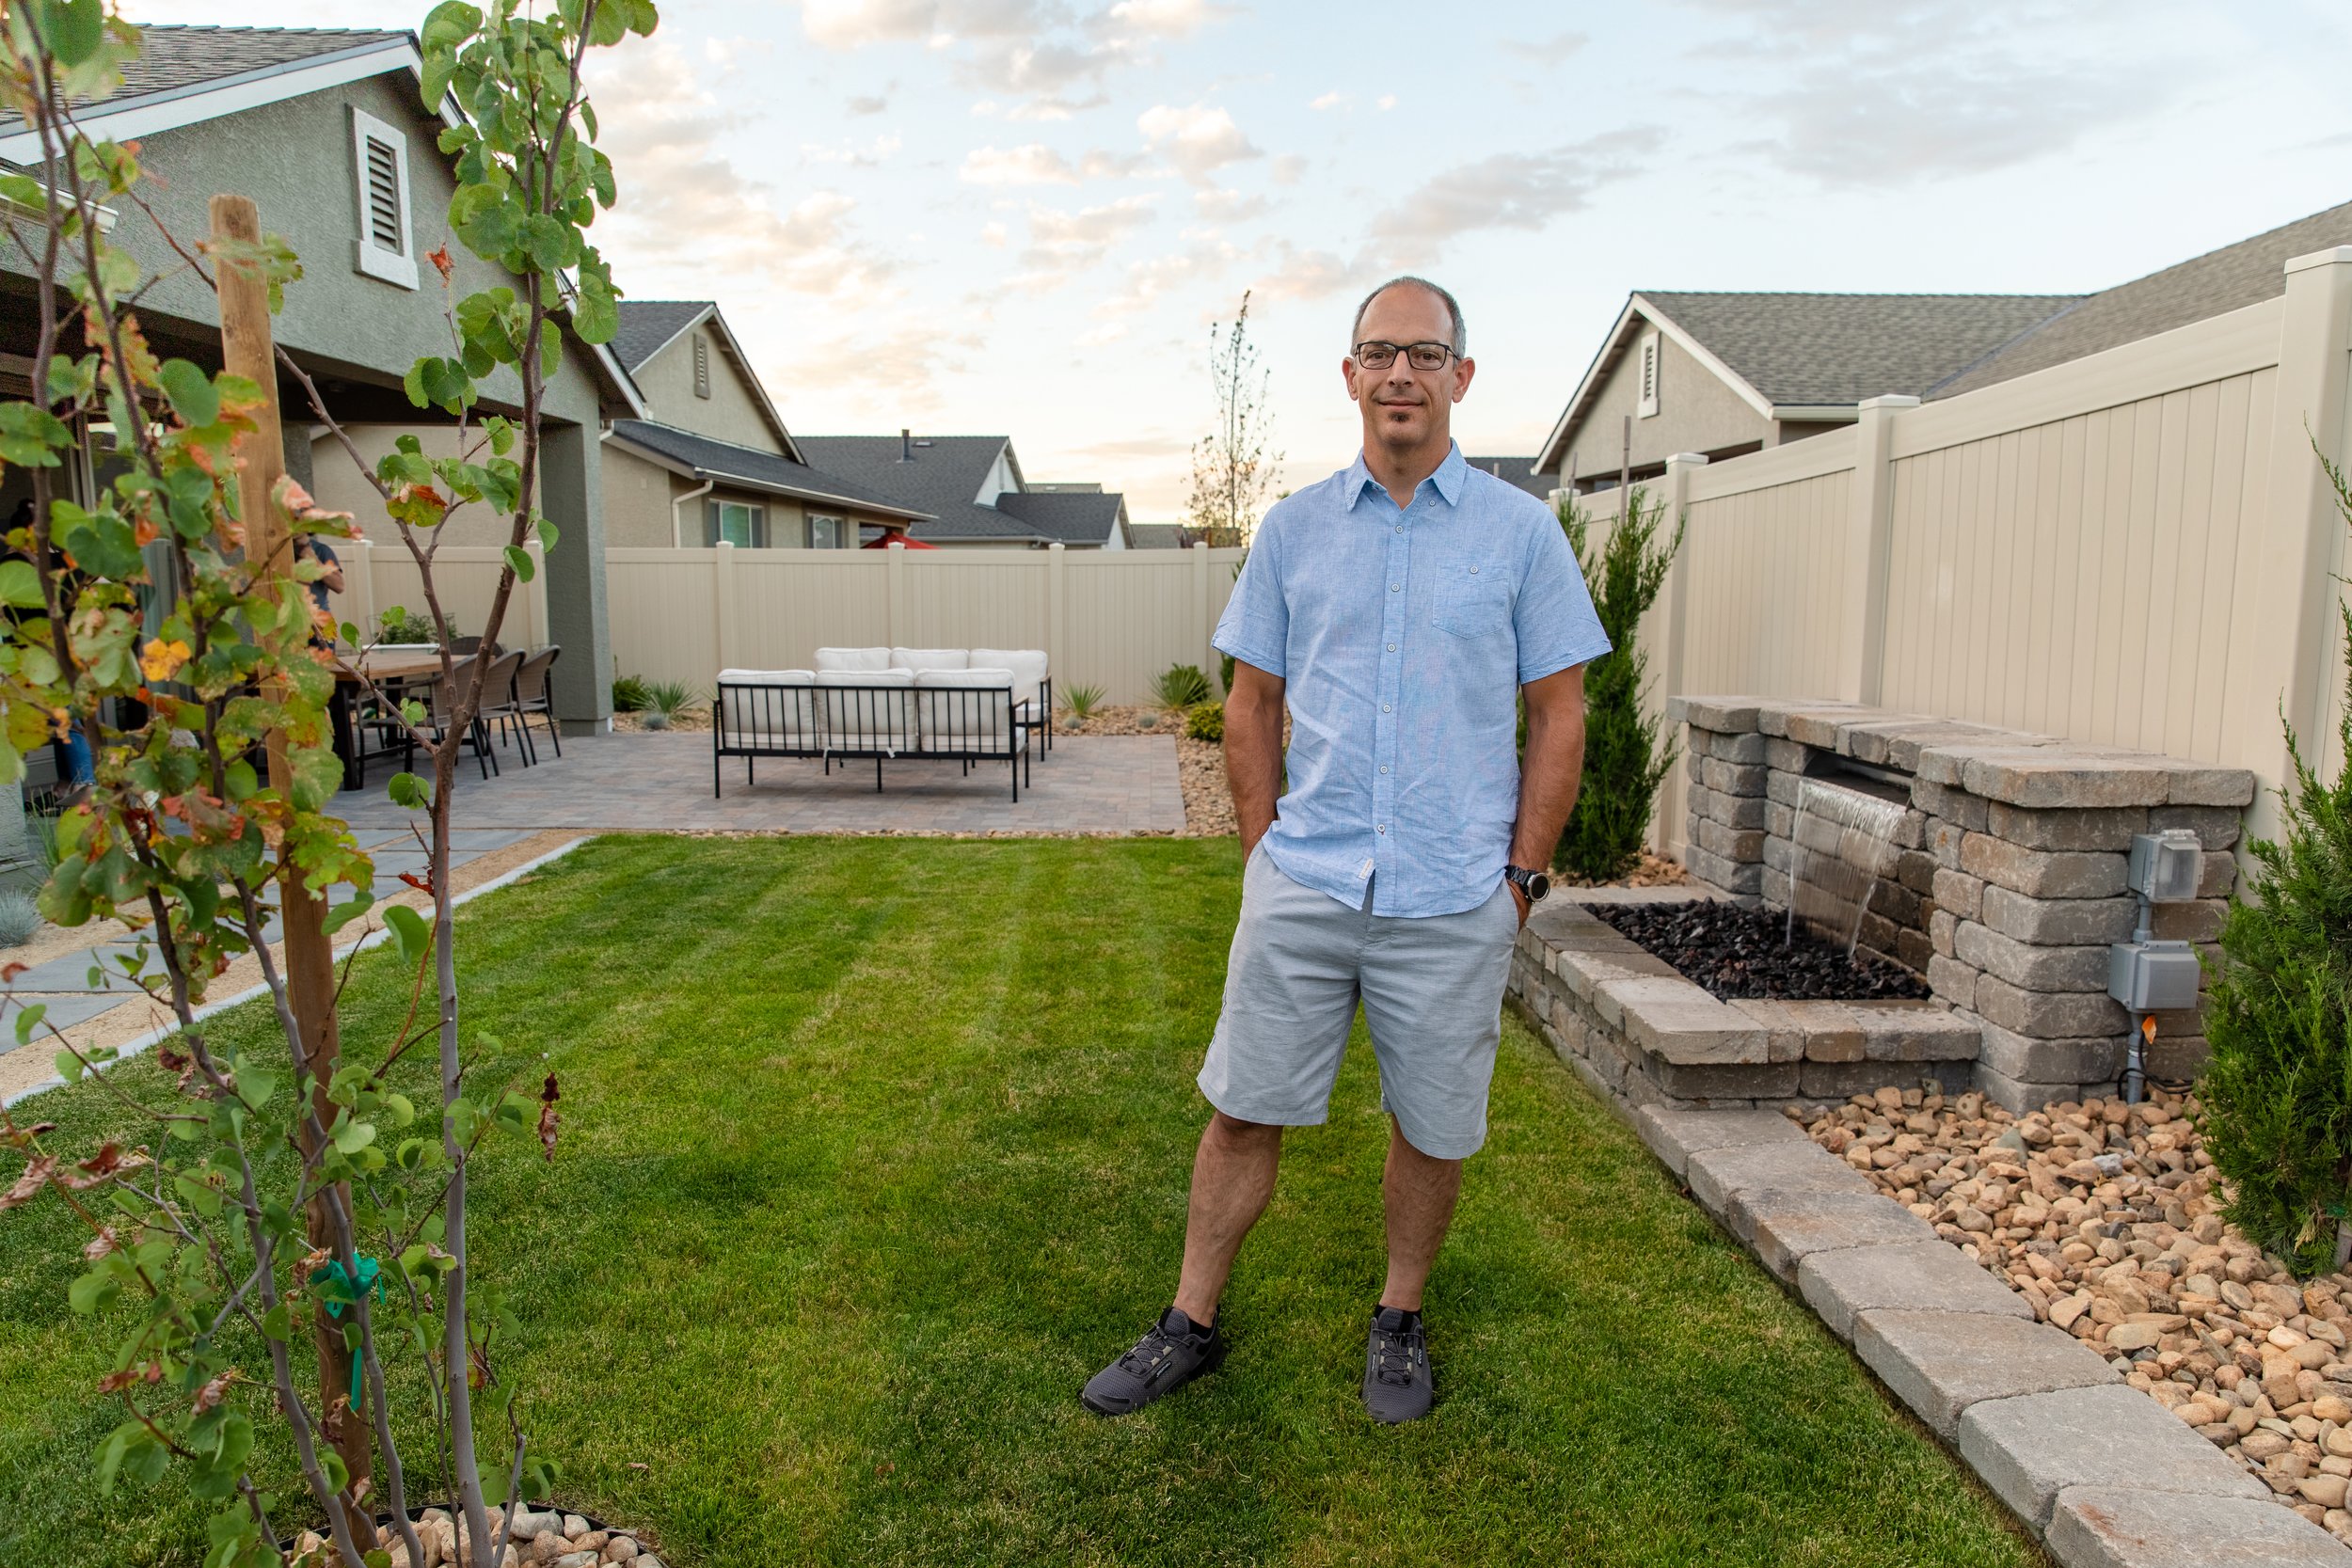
[1156, 536]
[2219, 281]
[757, 469]
[944, 475]
[649, 324]
[1071, 516]
[1816, 349]
[173, 58]
[1516, 471]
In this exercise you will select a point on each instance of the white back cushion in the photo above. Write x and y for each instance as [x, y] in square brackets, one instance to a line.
[920, 660]
[853, 659]
[868, 721]
[756, 712]
[1027, 664]
[966, 710]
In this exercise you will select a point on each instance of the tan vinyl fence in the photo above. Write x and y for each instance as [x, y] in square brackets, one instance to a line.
[2139, 548]
[1109, 619]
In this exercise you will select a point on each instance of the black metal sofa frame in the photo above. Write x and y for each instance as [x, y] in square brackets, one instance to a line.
[839, 723]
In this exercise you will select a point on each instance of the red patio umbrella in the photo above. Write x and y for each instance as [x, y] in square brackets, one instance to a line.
[888, 539]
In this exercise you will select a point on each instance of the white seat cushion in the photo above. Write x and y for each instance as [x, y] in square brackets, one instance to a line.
[853, 659]
[966, 710]
[758, 713]
[869, 720]
[1028, 669]
[920, 660]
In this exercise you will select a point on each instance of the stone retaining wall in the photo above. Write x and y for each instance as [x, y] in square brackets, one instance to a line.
[2010, 880]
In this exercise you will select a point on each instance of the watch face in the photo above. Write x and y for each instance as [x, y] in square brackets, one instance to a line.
[1538, 888]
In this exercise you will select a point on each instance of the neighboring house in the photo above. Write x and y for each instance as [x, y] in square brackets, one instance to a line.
[712, 459]
[1726, 374]
[324, 130]
[972, 488]
[1156, 536]
[1516, 471]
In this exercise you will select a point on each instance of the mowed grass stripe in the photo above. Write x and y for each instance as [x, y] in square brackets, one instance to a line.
[875, 1149]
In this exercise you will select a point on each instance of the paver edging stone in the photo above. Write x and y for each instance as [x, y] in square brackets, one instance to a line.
[2030, 1449]
[2113, 1527]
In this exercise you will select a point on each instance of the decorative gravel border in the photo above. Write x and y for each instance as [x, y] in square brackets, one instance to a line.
[2099, 1472]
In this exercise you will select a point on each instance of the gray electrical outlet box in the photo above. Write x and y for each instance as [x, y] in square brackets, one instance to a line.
[2153, 976]
[2165, 866]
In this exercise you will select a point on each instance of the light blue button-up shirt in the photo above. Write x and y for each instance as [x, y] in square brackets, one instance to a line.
[1402, 638]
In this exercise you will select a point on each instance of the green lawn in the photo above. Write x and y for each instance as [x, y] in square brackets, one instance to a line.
[874, 1149]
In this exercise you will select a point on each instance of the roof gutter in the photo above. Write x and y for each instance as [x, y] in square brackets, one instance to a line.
[678, 521]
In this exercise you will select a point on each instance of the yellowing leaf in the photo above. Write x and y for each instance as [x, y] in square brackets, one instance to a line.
[160, 660]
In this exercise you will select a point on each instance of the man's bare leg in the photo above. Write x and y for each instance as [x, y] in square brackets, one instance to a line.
[1233, 1178]
[1418, 1193]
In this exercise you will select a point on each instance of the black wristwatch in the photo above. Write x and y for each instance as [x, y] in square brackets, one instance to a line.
[1536, 884]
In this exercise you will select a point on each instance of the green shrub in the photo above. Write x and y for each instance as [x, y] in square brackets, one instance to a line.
[630, 695]
[1206, 721]
[1081, 700]
[2278, 1086]
[405, 625]
[670, 698]
[1623, 759]
[1181, 687]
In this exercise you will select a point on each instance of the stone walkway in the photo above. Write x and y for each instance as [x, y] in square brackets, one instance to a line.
[662, 784]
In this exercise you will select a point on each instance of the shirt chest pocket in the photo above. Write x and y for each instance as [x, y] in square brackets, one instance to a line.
[1472, 599]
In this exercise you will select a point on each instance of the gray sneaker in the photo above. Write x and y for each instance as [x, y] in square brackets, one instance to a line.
[1171, 1354]
[1397, 1368]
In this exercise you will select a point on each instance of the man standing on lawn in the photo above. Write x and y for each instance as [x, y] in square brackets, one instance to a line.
[1399, 608]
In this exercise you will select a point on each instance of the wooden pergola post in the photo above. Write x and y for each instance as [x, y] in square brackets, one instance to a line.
[246, 351]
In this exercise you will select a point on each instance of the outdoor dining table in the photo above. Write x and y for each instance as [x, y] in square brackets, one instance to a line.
[387, 669]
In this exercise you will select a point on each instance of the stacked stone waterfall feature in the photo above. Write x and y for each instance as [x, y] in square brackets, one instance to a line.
[2008, 883]
[1845, 846]
[2011, 862]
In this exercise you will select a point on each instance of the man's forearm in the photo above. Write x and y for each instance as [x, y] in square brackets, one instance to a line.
[1548, 776]
[1253, 766]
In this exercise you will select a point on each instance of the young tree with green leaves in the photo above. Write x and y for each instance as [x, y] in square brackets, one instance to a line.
[2278, 1087]
[1231, 470]
[1623, 759]
[278, 1188]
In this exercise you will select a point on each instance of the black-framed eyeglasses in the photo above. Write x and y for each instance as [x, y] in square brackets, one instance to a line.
[1377, 355]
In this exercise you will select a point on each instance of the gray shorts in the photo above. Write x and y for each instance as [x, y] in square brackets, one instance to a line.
[1432, 993]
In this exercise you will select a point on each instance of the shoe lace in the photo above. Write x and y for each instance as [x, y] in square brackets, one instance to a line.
[1150, 1354]
[1395, 1357]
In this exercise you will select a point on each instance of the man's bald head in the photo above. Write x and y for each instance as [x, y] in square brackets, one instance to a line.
[1460, 340]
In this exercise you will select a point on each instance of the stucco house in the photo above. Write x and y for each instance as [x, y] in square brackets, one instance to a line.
[324, 128]
[1726, 373]
[712, 459]
[972, 491]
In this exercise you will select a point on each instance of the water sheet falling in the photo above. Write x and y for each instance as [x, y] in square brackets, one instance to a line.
[1845, 844]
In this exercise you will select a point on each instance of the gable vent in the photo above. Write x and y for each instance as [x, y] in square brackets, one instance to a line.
[702, 366]
[384, 194]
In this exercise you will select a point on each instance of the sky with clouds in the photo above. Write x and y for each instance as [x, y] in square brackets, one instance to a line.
[1022, 217]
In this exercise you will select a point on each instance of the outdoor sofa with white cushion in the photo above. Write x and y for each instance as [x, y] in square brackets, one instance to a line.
[855, 705]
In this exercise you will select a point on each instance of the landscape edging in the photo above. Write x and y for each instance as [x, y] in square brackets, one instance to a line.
[2109, 1514]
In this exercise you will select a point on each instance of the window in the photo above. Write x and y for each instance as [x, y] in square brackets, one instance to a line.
[379, 160]
[1650, 376]
[827, 533]
[738, 523]
[702, 366]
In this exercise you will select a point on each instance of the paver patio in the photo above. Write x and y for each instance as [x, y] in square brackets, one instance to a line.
[662, 784]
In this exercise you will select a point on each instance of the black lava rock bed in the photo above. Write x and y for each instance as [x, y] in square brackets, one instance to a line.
[1734, 952]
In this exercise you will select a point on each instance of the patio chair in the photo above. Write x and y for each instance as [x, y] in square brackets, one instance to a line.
[439, 696]
[500, 705]
[531, 694]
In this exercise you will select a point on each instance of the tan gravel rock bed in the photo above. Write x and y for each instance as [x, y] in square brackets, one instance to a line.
[2106, 1219]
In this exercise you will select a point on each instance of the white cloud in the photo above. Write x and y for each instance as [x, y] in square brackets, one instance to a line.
[992, 235]
[1172, 19]
[868, 104]
[1222, 206]
[1860, 94]
[1036, 50]
[1063, 245]
[1196, 141]
[1289, 169]
[1388, 102]
[1551, 51]
[873, 155]
[1332, 100]
[689, 213]
[1506, 190]
[1035, 164]
[1151, 280]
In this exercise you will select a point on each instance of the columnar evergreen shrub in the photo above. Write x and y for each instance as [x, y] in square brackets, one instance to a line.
[1625, 758]
[2277, 1088]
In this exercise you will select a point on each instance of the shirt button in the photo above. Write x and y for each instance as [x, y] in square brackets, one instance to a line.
[1396, 588]
[1383, 708]
[1391, 647]
[1400, 528]
[1474, 571]
[1383, 828]
[1384, 768]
